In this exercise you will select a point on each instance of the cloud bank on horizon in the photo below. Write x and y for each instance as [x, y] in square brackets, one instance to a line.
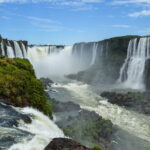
[69, 21]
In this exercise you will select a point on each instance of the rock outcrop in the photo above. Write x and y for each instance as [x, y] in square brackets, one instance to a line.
[46, 82]
[65, 144]
[84, 126]
[109, 58]
[132, 100]
[5, 43]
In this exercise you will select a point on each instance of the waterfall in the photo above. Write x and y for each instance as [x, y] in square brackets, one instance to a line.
[10, 52]
[2, 48]
[18, 50]
[24, 51]
[94, 52]
[54, 49]
[132, 71]
[59, 62]
[41, 127]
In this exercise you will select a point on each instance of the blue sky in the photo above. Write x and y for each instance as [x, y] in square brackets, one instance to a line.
[70, 21]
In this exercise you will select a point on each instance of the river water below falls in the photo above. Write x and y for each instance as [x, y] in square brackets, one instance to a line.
[33, 136]
[133, 129]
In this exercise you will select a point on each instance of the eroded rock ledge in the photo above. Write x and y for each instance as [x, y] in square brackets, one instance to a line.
[65, 144]
[136, 101]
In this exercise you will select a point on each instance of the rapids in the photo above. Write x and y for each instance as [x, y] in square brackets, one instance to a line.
[129, 123]
[41, 127]
[133, 129]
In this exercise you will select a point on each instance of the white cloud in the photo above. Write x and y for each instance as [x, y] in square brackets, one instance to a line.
[120, 2]
[76, 5]
[121, 26]
[5, 17]
[50, 28]
[65, 2]
[13, 1]
[72, 3]
[92, 1]
[140, 14]
[85, 8]
[45, 24]
[46, 20]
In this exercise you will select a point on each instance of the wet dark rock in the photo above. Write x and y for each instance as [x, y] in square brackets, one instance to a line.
[66, 107]
[9, 120]
[119, 99]
[89, 129]
[147, 74]
[132, 100]
[88, 115]
[84, 126]
[10, 116]
[65, 144]
[46, 82]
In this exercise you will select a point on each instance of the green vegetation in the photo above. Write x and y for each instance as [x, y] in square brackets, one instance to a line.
[19, 85]
[97, 148]
[89, 132]
[138, 96]
[123, 37]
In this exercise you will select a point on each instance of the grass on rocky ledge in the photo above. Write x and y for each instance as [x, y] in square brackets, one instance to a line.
[19, 85]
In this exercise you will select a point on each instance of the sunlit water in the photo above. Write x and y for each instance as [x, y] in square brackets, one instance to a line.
[133, 128]
[43, 129]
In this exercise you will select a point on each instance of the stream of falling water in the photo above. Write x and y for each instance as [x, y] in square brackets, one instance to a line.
[43, 129]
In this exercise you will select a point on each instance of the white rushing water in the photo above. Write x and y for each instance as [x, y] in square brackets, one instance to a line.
[132, 122]
[10, 52]
[42, 127]
[24, 51]
[2, 47]
[132, 71]
[18, 50]
[53, 63]
[94, 52]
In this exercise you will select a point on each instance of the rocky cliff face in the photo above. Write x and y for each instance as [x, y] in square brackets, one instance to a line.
[9, 48]
[105, 59]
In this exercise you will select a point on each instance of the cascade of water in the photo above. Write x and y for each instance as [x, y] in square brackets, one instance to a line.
[132, 71]
[83, 94]
[10, 52]
[54, 64]
[18, 50]
[94, 52]
[54, 49]
[24, 51]
[41, 127]
[2, 48]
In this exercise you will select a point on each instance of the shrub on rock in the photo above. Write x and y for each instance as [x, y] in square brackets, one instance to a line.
[19, 85]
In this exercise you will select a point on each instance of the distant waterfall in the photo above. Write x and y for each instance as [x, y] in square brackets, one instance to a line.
[58, 61]
[87, 53]
[18, 50]
[13, 49]
[95, 45]
[132, 71]
[24, 51]
[10, 52]
[2, 47]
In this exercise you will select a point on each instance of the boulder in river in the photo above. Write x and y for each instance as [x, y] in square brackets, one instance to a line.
[65, 144]
[46, 82]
